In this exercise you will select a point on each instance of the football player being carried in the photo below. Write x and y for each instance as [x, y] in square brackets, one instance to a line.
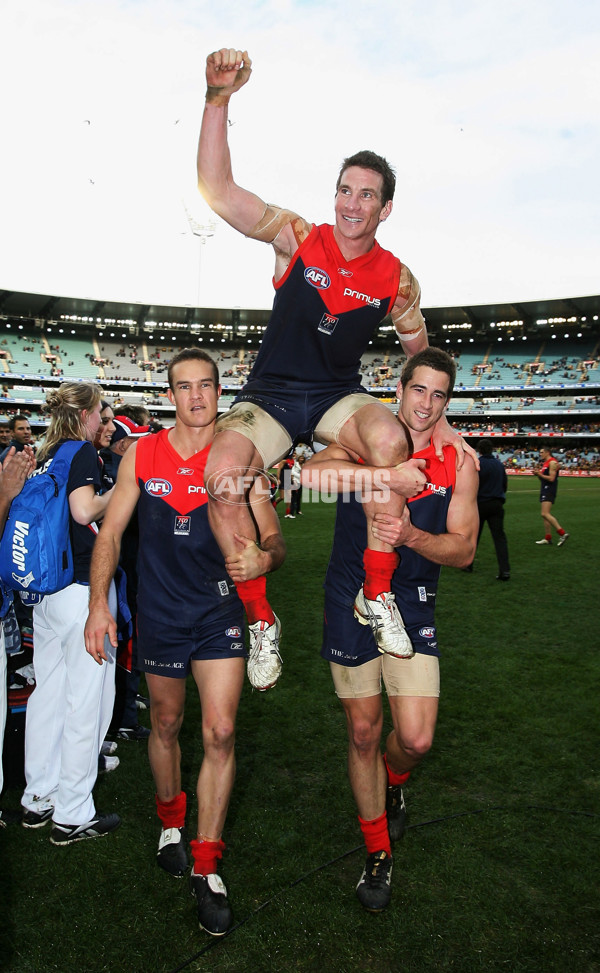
[334, 285]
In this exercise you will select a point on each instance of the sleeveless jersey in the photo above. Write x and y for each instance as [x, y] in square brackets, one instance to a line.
[181, 571]
[548, 490]
[415, 580]
[324, 314]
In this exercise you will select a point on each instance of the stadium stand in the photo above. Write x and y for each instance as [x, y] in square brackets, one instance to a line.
[526, 370]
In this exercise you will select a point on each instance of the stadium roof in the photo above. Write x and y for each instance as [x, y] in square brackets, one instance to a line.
[48, 309]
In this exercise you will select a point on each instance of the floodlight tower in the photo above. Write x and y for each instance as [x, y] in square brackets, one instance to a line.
[203, 231]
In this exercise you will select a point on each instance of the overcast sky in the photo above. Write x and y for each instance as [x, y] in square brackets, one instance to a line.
[489, 111]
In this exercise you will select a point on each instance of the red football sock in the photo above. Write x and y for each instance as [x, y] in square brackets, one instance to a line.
[253, 595]
[561, 531]
[206, 855]
[379, 567]
[376, 834]
[548, 537]
[393, 778]
[172, 813]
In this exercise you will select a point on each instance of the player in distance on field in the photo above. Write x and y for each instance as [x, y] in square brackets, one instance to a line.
[548, 477]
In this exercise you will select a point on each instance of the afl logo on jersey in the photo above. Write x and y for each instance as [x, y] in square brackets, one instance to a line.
[157, 487]
[317, 278]
[426, 632]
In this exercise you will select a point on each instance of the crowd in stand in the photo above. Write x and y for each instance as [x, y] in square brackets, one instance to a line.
[377, 371]
[54, 359]
[571, 460]
[520, 427]
[573, 369]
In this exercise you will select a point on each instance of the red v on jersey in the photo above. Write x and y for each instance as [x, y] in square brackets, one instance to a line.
[182, 484]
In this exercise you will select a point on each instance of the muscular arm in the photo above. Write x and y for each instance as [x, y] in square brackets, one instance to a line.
[105, 558]
[407, 317]
[551, 475]
[412, 331]
[337, 470]
[227, 71]
[456, 547]
[255, 559]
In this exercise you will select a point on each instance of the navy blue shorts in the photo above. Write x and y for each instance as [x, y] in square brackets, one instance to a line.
[298, 410]
[168, 650]
[349, 643]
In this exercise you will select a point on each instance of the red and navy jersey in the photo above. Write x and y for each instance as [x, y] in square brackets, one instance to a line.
[326, 310]
[415, 580]
[548, 489]
[181, 571]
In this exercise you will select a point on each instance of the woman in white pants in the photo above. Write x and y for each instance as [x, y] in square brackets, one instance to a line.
[69, 711]
[13, 472]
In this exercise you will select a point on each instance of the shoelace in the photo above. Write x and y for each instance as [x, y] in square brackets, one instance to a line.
[259, 642]
[389, 603]
[377, 618]
[375, 870]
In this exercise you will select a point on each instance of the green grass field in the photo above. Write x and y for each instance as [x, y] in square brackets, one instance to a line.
[498, 870]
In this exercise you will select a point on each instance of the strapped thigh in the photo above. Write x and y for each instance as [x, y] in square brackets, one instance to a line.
[272, 441]
[357, 682]
[419, 676]
[330, 424]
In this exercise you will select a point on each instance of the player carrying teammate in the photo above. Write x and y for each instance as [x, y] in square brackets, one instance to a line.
[437, 527]
[334, 285]
[189, 617]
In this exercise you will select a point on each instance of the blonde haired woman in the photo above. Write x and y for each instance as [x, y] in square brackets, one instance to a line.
[70, 708]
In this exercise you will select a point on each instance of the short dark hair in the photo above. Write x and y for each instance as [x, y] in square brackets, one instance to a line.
[138, 413]
[485, 447]
[191, 354]
[14, 419]
[434, 358]
[370, 160]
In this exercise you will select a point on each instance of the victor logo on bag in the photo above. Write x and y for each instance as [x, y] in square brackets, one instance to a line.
[35, 554]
